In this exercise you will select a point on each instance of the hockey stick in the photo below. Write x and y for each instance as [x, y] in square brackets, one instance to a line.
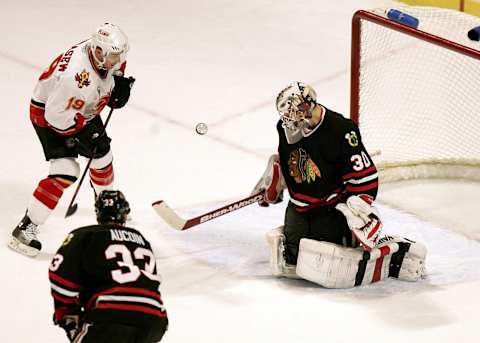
[72, 207]
[172, 219]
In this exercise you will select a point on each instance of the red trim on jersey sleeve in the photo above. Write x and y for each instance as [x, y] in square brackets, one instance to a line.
[364, 172]
[361, 188]
[63, 299]
[64, 282]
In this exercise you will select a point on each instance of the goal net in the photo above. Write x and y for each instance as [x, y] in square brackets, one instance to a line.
[415, 92]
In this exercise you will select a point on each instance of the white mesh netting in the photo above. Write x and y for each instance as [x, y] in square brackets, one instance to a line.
[419, 103]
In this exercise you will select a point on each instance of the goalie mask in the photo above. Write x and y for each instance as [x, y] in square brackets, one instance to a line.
[109, 46]
[295, 104]
[111, 207]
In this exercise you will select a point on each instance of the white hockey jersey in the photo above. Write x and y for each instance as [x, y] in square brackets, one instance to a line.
[69, 88]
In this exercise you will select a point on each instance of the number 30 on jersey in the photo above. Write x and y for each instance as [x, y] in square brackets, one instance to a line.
[360, 161]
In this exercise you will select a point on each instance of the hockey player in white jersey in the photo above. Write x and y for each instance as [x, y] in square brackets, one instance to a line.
[65, 112]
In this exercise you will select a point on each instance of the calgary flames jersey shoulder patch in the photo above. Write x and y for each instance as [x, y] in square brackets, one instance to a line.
[83, 79]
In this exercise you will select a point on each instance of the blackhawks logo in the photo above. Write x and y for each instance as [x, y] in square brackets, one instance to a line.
[67, 239]
[352, 138]
[82, 79]
[301, 167]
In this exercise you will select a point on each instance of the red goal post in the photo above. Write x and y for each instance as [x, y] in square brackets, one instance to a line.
[415, 92]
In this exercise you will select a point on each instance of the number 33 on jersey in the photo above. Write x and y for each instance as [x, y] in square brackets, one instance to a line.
[106, 269]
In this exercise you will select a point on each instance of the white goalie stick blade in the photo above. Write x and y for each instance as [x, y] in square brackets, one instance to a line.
[169, 215]
[175, 221]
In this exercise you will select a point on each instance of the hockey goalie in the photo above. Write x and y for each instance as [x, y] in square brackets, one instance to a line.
[331, 231]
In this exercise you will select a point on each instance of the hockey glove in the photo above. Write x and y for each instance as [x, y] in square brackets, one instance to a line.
[92, 139]
[271, 183]
[363, 219]
[121, 91]
[71, 324]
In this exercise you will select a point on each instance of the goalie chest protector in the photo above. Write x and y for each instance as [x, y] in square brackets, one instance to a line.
[331, 159]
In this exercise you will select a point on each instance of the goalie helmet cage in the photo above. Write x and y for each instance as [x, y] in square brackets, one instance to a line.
[415, 92]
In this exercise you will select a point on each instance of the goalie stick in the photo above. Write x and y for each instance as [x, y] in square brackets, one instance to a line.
[172, 219]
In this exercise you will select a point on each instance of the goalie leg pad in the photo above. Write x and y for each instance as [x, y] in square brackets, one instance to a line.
[409, 262]
[327, 264]
[333, 266]
[278, 266]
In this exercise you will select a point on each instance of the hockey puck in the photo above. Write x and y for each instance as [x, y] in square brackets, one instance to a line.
[201, 128]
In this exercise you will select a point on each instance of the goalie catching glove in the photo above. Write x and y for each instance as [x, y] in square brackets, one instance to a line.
[271, 183]
[363, 219]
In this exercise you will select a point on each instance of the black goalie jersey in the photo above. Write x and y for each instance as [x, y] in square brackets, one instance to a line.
[108, 274]
[327, 165]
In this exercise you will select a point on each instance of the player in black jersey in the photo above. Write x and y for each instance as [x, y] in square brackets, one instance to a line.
[104, 280]
[330, 176]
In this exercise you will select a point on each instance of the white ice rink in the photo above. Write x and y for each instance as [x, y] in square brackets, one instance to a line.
[221, 62]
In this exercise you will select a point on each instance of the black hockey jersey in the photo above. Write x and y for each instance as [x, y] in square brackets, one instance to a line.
[108, 273]
[327, 165]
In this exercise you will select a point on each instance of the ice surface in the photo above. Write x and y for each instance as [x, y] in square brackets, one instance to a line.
[221, 62]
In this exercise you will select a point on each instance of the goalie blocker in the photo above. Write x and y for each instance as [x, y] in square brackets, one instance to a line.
[271, 184]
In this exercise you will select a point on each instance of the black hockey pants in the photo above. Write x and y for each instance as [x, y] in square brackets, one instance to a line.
[117, 333]
[322, 224]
